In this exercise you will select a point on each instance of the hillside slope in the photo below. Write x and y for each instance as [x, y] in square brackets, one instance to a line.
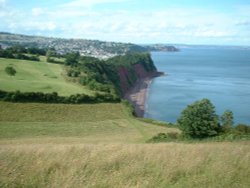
[37, 77]
[87, 123]
[48, 145]
[172, 165]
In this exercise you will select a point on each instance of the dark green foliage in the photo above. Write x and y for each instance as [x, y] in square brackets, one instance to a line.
[36, 51]
[99, 75]
[199, 120]
[52, 60]
[18, 52]
[132, 59]
[165, 137]
[73, 73]
[72, 58]
[242, 129]
[10, 71]
[18, 96]
[227, 120]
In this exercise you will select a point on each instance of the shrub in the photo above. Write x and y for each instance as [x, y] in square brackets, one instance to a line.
[18, 96]
[10, 71]
[73, 73]
[227, 120]
[199, 120]
[165, 137]
[242, 128]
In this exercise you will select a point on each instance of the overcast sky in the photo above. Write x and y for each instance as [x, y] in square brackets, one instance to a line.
[223, 22]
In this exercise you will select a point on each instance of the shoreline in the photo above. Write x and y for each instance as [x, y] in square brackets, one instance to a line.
[137, 95]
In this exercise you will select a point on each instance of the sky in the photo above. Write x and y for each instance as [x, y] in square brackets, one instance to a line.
[219, 22]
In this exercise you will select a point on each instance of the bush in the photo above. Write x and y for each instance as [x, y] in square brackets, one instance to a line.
[10, 71]
[242, 129]
[165, 137]
[18, 96]
[73, 73]
[199, 120]
[227, 121]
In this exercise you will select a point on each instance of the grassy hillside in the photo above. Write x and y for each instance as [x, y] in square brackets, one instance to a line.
[88, 122]
[125, 165]
[37, 76]
[101, 145]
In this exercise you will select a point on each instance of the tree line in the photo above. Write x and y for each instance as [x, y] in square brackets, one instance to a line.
[17, 96]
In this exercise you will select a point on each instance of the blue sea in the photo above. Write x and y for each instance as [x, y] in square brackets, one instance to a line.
[220, 74]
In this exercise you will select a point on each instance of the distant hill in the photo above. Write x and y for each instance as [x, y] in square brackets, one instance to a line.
[161, 47]
[94, 48]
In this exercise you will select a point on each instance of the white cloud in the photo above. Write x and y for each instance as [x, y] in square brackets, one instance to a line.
[89, 3]
[37, 11]
[33, 25]
[173, 25]
[41, 26]
[158, 26]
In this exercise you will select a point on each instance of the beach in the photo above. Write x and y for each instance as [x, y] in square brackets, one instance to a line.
[137, 95]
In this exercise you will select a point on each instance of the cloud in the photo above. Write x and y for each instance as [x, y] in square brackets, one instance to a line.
[89, 3]
[243, 23]
[168, 25]
[37, 11]
[33, 26]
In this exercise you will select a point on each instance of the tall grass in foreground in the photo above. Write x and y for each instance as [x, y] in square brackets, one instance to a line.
[123, 165]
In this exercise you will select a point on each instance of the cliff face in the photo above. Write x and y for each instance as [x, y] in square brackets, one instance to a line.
[128, 76]
[118, 74]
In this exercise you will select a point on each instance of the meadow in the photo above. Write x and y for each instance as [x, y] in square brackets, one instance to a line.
[102, 145]
[88, 122]
[37, 76]
[125, 165]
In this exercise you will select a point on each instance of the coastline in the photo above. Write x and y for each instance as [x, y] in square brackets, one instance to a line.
[137, 95]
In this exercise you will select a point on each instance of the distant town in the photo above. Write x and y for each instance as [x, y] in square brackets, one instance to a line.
[93, 48]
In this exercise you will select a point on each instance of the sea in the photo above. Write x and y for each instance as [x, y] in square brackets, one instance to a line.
[218, 73]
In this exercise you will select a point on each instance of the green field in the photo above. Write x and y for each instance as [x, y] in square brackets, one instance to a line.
[37, 76]
[87, 122]
[101, 145]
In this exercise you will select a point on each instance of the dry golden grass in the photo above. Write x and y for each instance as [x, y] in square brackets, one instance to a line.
[56, 145]
[126, 165]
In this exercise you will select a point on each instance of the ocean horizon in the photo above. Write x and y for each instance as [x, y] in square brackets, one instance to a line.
[218, 73]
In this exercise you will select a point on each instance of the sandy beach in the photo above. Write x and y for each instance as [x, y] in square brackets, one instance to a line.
[138, 93]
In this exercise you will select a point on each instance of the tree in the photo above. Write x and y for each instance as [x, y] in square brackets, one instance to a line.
[10, 71]
[72, 58]
[227, 120]
[199, 120]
